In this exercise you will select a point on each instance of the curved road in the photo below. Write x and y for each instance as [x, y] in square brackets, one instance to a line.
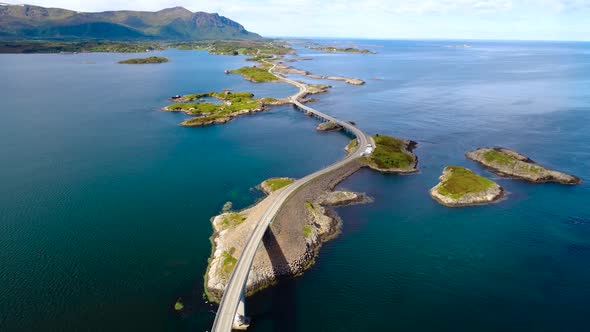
[228, 307]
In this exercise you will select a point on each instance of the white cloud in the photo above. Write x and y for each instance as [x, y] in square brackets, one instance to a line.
[368, 18]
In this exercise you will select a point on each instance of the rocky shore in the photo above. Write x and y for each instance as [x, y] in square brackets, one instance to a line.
[286, 70]
[292, 241]
[328, 127]
[506, 162]
[459, 186]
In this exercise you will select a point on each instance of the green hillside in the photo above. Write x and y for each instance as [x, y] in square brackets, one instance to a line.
[34, 22]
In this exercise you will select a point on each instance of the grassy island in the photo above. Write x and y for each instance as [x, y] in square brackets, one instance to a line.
[275, 184]
[461, 181]
[391, 155]
[151, 59]
[511, 163]
[334, 49]
[255, 74]
[230, 104]
[460, 186]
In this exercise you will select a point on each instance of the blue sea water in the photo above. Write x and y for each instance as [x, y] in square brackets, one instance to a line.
[105, 201]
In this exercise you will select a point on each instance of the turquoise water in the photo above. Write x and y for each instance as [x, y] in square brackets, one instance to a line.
[105, 202]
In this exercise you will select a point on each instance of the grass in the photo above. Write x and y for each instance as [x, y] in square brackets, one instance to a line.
[307, 231]
[228, 262]
[231, 220]
[278, 183]
[178, 305]
[462, 181]
[498, 157]
[255, 74]
[390, 153]
[352, 145]
[151, 59]
[232, 102]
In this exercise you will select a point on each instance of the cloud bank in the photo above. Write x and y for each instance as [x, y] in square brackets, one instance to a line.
[472, 19]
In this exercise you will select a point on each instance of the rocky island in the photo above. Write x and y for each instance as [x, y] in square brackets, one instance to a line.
[390, 155]
[141, 61]
[328, 127]
[506, 162]
[459, 186]
[292, 241]
[230, 105]
[285, 69]
[334, 49]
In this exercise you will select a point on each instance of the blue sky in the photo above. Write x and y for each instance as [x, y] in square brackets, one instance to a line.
[384, 19]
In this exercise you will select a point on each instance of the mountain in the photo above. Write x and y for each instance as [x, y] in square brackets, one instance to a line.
[178, 23]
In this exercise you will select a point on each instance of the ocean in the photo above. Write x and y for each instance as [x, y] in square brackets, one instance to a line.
[105, 201]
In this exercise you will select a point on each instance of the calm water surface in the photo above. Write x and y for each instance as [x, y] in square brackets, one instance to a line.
[105, 201]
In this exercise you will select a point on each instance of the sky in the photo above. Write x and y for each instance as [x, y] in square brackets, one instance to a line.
[381, 19]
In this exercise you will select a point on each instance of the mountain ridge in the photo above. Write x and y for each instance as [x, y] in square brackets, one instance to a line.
[175, 23]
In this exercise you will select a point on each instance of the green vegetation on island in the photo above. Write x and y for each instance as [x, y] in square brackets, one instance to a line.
[274, 184]
[259, 49]
[460, 186]
[307, 231]
[148, 60]
[255, 74]
[231, 220]
[178, 306]
[335, 49]
[511, 163]
[391, 155]
[461, 181]
[228, 262]
[230, 104]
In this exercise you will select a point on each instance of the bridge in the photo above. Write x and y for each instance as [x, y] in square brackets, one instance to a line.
[231, 312]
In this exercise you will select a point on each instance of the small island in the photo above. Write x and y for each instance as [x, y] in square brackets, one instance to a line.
[229, 105]
[459, 186]
[390, 155]
[334, 49]
[141, 61]
[288, 70]
[506, 162]
[255, 74]
[328, 127]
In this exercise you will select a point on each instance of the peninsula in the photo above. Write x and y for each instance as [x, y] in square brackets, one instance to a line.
[506, 162]
[459, 186]
[140, 61]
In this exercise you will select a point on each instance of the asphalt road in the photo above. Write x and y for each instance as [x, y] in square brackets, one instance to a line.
[225, 316]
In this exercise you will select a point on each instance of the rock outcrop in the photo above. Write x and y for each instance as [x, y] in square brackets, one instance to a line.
[506, 162]
[328, 126]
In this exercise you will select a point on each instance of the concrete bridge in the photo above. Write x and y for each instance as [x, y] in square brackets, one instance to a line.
[231, 313]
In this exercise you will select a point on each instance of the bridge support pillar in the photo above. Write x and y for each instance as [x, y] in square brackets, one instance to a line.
[241, 322]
